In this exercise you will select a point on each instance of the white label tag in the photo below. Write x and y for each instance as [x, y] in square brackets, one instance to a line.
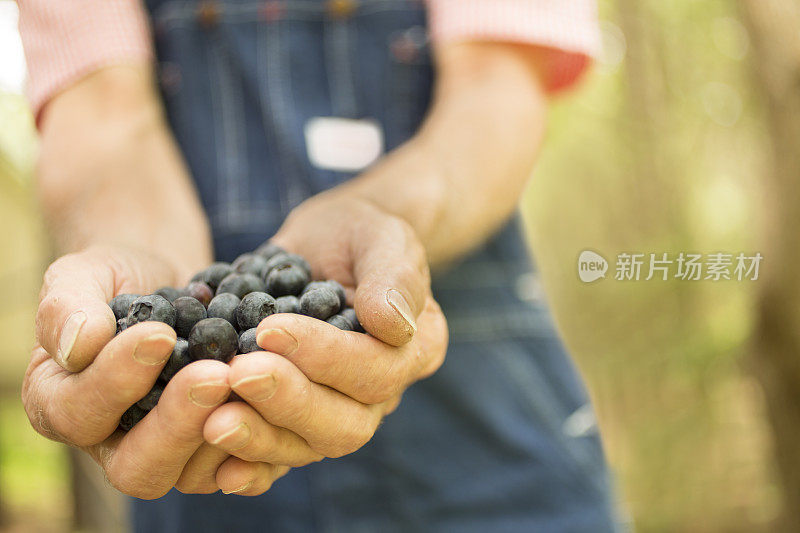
[343, 144]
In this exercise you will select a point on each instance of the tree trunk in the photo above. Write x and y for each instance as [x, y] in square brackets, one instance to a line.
[775, 30]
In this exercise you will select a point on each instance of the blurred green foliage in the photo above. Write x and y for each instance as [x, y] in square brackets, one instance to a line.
[34, 474]
[663, 152]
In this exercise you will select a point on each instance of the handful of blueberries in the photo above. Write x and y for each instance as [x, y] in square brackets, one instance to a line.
[216, 315]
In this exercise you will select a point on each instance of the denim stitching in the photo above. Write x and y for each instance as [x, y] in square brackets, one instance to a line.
[219, 121]
[543, 402]
[233, 166]
[495, 325]
[338, 64]
[258, 215]
[276, 110]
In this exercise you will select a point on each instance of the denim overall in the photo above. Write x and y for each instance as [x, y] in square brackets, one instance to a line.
[501, 438]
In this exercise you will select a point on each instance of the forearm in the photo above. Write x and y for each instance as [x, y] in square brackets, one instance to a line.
[462, 175]
[110, 173]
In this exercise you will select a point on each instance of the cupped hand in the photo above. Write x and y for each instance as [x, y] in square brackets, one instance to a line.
[82, 378]
[317, 391]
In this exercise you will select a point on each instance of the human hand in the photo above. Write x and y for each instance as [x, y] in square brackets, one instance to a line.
[82, 378]
[317, 391]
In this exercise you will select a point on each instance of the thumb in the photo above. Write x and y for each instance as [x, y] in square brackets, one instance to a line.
[392, 279]
[73, 321]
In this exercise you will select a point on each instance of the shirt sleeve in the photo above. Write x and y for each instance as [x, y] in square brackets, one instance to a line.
[566, 29]
[66, 40]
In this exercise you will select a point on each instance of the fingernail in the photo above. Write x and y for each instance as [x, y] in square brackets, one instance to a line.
[154, 350]
[69, 334]
[209, 394]
[278, 341]
[234, 439]
[240, 489]
[257, 388]
[396, 300]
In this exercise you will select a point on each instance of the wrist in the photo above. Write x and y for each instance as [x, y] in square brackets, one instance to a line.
[110, 172]
[411, 184]
[123, 185]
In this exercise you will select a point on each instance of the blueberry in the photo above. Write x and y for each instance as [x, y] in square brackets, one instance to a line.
[339, 290]
[253, 309]
[335, 285]
[240, 284]
[200, 291]
[151, 399]
[122, 325]
[170, 293]
[213, 338]
[179, 359]
[314, 285]
[249, 264]
[284, 259]
[341, 322]
[287, 304]
[321, 303]
[152, 307]
[350, 314]
[224, 306]
[131, 417]
[188, 312]
[121, 303]
[286, 280]
[247, 341]
[267, 250]
[214, 274]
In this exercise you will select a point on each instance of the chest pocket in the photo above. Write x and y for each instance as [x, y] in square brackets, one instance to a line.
[242, 78]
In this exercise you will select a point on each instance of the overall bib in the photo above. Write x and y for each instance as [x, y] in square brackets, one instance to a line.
[501, 438]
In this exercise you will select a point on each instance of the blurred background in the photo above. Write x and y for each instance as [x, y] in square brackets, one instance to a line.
[682, 138]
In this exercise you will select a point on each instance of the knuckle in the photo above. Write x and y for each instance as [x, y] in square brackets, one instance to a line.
[388, 384]
[381, 390]
[354, 439]
[360, 437]
[193, 485]
[40, 423]
[261, 449]
[419, 362]
[303, 419]
[398, 228]
[408, 271]
[414, 247]
[65, 421]
[181, 431]
[35, 408]
[392, 404]
[129, 478]
[312, 457]
[137, 489]
[424, 268]
[123, 483]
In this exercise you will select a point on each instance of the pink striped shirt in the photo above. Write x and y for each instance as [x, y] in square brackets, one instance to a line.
[66, 40]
